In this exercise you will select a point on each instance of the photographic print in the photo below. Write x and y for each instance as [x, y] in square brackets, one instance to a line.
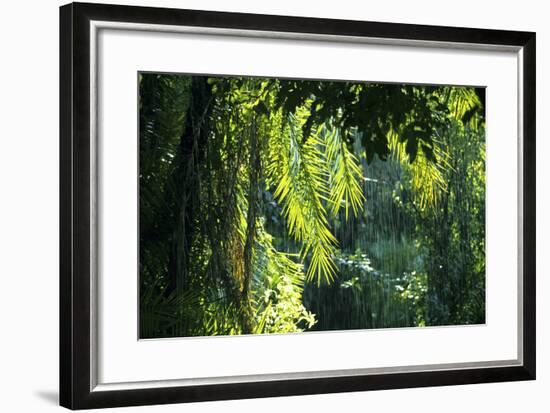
[271, 205]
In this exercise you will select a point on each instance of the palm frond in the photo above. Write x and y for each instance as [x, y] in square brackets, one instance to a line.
[461, 100]
[426, 175]
[345, 172]
[296, 170]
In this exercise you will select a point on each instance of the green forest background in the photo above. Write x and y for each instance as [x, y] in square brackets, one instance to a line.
[280, 205]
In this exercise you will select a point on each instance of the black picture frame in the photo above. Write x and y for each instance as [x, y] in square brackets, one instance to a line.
[75, 219]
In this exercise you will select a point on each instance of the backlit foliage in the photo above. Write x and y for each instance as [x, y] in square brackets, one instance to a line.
[225, 163]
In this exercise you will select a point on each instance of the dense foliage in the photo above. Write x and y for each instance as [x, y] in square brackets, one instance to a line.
[273, 206]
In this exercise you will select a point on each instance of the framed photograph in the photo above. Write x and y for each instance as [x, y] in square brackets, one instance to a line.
[256, 206]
